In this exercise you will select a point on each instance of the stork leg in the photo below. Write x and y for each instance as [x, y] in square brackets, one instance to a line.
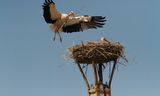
[57, 30]
[54, 38]
[60, 37]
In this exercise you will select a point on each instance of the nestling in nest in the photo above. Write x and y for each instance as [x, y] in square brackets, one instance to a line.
[102, 51]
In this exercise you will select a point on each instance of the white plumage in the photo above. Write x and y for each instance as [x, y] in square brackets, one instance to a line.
[68, 23]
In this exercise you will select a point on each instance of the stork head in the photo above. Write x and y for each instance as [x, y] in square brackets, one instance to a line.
[103, 39]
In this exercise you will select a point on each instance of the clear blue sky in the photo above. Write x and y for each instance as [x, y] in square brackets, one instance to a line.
[31, 64]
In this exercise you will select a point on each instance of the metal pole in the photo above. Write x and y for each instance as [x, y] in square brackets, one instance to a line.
[112, 73]
[100, 73]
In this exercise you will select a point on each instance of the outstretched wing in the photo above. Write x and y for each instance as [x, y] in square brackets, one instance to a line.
[80, 23]
[48, 11]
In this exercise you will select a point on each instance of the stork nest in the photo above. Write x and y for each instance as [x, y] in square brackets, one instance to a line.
[102, 51]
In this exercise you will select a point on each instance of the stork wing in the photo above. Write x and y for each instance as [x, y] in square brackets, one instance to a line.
[49, 11]
[80, 23]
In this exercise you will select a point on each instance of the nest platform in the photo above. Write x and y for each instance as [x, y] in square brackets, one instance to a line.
[102, 51]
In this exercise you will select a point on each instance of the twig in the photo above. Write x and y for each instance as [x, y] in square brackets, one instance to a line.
[101, 53]
[90, 50]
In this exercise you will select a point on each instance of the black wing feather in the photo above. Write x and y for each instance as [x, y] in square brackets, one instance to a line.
[72, 28]
[46, 11]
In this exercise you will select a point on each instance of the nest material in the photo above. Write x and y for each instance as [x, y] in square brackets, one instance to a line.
[102, 51]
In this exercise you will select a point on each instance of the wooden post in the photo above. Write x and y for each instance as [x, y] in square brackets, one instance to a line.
[95, 77]
[95, 72]
[109, 92]
[84, 76]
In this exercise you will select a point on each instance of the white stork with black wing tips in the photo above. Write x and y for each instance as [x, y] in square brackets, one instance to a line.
[69, 22]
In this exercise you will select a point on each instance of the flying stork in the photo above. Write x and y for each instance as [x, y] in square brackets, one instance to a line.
[69, 22]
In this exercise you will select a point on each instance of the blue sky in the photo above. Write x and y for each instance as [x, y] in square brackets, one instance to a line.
[31, 64]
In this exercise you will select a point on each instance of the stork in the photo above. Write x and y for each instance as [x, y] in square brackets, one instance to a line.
[69, 22]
